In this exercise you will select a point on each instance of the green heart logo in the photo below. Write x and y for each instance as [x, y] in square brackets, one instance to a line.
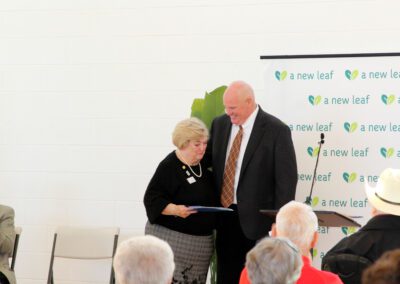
[387, 152]
[314, 201]
[351, 230]
[312, 152]
[314, 100]
[350, 127]
[349, 178]
[388, 100]
[351, 75]
[280, 76]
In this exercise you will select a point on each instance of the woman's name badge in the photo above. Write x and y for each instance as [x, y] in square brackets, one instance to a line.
[191, 180]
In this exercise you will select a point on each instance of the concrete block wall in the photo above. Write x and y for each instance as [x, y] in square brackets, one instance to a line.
[90, 91]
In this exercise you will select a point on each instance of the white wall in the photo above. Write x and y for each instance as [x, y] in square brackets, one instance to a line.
[91, 89]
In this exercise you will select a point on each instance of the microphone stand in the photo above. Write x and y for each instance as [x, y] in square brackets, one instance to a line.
[308, 199]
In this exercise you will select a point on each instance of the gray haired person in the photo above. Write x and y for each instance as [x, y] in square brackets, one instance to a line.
[144, 260]
[7, 232]
[274, 261]
[298, 223]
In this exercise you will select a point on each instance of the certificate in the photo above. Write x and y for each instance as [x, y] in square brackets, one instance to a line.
[210, 209]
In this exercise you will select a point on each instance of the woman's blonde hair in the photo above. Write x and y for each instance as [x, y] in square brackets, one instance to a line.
[188, 130]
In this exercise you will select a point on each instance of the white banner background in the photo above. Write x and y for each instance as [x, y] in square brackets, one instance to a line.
[355, 102]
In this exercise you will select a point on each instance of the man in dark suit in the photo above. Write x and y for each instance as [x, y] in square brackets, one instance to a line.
[264, 175]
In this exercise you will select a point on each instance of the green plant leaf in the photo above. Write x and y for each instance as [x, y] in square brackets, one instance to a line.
[207, 109]
[197, 108]
[213, 105]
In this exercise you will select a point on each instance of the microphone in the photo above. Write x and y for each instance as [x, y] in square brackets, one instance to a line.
[320, 142]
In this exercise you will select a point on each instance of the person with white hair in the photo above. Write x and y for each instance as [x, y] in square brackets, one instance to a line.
[274, 261]
[297, 222]
[144, 260]
[380, 234]
[7, 235]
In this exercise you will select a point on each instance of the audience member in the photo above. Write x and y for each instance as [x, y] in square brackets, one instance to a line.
[380, 234]
[274, 261]
[386, 270]
[7, 236]
[144, 260]
[298, 222]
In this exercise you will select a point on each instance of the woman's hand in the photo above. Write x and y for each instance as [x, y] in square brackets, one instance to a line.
[178, 210]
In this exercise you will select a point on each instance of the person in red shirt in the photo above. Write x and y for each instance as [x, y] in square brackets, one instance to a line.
[297, 222]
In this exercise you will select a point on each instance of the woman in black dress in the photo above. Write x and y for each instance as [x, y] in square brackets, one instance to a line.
[182, 180]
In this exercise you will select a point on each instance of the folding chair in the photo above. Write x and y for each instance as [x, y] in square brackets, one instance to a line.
[13, 255]
[348, 267]
[86, 243]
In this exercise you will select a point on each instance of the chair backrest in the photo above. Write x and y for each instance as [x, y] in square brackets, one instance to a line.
[348, 267]
[84, 243]
[18, 231]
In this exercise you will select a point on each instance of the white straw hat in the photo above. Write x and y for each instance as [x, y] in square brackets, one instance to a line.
[385, 196]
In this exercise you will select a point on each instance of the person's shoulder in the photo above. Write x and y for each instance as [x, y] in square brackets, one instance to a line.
[221, 118]
[219, 123]
[6, 210]
[244, 278]
[271, 119]
[342, 246]
[382, 221]
[318, 276]
[330, 277]
[168, 162]
[170, 158]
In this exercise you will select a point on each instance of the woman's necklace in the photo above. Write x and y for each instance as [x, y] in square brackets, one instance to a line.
[190, 168]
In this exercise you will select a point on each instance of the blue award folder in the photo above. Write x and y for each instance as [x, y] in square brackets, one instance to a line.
[210, 209]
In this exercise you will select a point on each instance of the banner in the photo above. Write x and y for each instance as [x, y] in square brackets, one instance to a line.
[355, 102]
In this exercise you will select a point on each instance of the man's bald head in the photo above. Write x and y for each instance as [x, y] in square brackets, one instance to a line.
[239, 102]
